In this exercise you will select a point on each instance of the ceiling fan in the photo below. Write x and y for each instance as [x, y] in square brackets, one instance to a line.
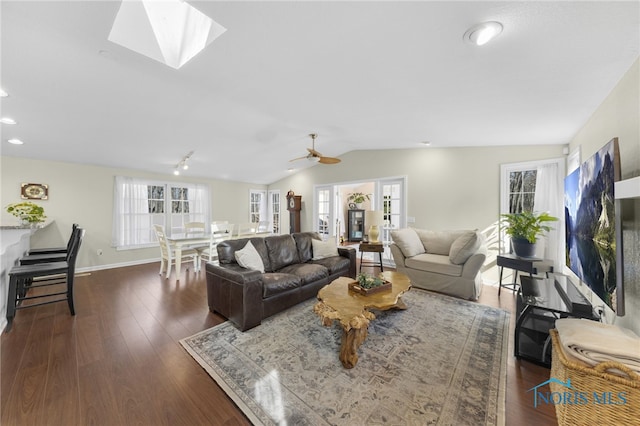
[315, 156]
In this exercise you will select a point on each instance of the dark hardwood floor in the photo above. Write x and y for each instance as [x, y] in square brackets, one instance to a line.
[118, 360]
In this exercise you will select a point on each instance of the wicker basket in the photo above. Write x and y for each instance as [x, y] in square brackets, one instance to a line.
[587, 380]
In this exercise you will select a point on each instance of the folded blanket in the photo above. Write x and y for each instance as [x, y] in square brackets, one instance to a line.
[594, 342]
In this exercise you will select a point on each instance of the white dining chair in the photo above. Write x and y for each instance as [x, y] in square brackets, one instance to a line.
[246, 230]
[167, 253]
[219, 232]
[194, 228]
[263, 229]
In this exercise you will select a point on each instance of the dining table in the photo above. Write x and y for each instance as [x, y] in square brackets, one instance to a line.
[198, 241]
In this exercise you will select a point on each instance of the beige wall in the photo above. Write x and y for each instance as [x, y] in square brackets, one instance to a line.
[84, 194]
[447, 188]
[619, 116]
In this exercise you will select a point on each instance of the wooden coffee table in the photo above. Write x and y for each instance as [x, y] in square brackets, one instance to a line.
[337, 302]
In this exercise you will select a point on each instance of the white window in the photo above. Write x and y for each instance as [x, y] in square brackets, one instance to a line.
[274, 210]
[139, 204]
[257, 205]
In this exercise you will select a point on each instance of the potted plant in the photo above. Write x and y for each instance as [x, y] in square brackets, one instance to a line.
[30, 214]
[358, 198]
[524, 229]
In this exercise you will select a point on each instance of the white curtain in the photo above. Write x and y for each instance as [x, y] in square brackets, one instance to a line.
[130, 213]
[549, 198]
[198, 196]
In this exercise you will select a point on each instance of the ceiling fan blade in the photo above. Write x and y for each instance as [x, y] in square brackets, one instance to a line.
[299, 158]
[329, 160]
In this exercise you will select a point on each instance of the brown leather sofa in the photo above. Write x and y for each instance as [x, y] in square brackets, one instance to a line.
[291, 276]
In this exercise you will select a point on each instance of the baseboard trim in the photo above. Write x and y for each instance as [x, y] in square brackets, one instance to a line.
[116, 265]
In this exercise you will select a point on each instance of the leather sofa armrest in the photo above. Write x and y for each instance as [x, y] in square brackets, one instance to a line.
[472, 266]
[349, 253]
[235, 293]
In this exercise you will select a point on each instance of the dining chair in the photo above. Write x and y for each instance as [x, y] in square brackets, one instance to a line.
[25, 281]
[246, 230]
[263, 228]
[219, 232]
[167, 253]
[51, 250]
[194, 228]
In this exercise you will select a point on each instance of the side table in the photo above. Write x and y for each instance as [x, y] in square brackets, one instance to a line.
[371, 248]
[530, 265]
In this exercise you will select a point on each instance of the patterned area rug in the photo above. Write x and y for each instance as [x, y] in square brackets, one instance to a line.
[442, 362]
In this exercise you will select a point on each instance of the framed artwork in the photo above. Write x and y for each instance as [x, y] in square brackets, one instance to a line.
[34, 191]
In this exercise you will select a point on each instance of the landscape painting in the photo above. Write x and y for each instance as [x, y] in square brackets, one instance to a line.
[591, 222]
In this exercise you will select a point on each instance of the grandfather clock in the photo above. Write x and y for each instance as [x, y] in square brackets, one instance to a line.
[294, 205]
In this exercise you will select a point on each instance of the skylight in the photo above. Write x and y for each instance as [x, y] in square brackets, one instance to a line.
[169, 31]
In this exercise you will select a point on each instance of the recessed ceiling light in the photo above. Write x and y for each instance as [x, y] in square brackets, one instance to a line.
[3, 94]
[426, 143]
[7, 120]
[290, 169]
[482, 33]
[15, 141]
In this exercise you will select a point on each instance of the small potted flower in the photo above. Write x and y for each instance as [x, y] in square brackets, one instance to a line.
[29, 213]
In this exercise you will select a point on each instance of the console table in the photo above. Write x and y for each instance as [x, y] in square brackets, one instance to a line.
[540, 302]
[530, 265]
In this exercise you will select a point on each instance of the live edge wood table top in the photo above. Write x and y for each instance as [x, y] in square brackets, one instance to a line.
[351, 309]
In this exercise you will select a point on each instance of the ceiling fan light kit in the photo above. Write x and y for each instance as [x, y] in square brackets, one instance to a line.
[314, 156]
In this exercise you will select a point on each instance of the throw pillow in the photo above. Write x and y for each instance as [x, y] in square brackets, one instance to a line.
[249, 258]
[407, 241]
[322, 249]
[464, 247]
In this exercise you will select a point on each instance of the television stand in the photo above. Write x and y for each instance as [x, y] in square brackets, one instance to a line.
[539, 303]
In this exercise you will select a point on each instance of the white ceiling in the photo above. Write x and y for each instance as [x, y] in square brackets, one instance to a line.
[363, 75]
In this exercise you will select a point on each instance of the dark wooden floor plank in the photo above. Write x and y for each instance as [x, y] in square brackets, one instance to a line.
[119, 361]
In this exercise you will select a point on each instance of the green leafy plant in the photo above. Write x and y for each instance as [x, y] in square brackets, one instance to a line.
[359, 197]
[369, 281]
[27, 211]
[527, 225]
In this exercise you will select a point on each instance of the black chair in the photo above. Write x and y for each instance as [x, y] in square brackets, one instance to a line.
[51, 254]
[24, 280]
[50, 250]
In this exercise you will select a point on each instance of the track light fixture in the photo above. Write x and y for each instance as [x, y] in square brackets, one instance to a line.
[183, 164]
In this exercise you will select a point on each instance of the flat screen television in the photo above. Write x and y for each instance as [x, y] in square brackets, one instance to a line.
[592, 237]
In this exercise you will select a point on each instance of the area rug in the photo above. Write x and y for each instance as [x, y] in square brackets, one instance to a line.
[440, 362]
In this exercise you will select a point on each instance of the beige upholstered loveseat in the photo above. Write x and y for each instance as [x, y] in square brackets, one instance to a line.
[444, 261]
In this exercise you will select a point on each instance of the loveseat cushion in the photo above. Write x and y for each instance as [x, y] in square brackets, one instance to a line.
[308, 272]
[464, 247]
[438, 242]
[334, 264]
[435, 263]
[304, 244]
[408, 241]
[282, 251]
[275, 283]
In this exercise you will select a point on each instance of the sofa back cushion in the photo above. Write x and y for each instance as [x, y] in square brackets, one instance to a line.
[282, 251]
[464, 247]
[438, 242]
[407, 241]
[303, 242]
[227, 249]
